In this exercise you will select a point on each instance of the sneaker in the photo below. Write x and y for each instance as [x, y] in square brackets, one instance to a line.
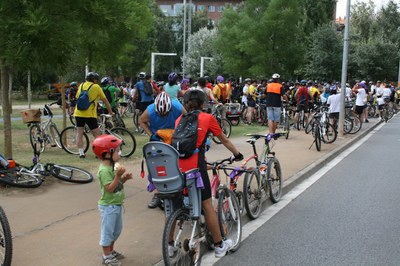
[154, 203]
[225, 247]
[366, 121]
[111, 261]
[172, 250]
[82, 156]
[117, 255]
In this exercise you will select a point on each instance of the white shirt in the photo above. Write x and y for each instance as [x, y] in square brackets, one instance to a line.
[386, 93]
[244, 97]
[360, 97]
[334, 103]
[379, 98]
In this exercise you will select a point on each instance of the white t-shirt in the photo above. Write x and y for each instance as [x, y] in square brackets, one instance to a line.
[244, 97]
[348, 93]
[334, 103]
[386, 93]
[360, 97]
[379, 98]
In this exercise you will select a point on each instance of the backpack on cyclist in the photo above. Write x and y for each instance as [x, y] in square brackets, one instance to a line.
[83, 102]
[148, 88]
[184, 138]
[224, 91]
[107, 93]
[303, 95]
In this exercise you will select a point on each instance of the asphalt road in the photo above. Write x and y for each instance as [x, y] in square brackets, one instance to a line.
[349, 216]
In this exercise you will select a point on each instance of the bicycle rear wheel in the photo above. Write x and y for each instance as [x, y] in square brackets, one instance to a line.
[35, 136]
[128, 145]
[226, 127]
[71, 174]
[6, 247]
[329, 133]
[55, 135]
[68, 140]
[176, 247]
[357, 124]
[252, 194]
[317, 138]
[274, 179]
[348, 125]
[229, 219]
[286, 126]
[22, 180]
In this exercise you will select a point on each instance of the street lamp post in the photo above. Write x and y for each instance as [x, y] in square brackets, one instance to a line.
[153, 57]
[202, 64]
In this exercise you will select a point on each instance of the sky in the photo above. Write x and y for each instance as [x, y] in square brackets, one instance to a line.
[341, 5]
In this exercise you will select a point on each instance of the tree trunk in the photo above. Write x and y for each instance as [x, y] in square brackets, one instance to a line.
[6, 110]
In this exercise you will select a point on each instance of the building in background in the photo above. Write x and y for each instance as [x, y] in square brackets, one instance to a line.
[214, 8]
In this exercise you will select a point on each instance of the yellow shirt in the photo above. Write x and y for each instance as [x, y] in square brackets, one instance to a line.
[95, 93]
[252, 91]
[314, 92]
[222, 90]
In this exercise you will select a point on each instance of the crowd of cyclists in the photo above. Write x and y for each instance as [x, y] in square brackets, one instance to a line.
[249, 93]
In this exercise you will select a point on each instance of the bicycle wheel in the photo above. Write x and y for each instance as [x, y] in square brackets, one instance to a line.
[71, 174]
[252, 194]
[22, 180]
[68, 140]
[6, 247]
[35, 136]
[348, 125]
[286, 126]
[55, 135]
[329, 133]
[371, 111]
[274, 179]
[72, 119]
[226, 129]
[229, 219]
[356, 125]
[128, 145]
[309, 127]
[177, 237]
[317, 138]
[119, 122]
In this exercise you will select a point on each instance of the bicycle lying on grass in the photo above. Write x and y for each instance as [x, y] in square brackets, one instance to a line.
[185, 234]
[6, 248]
[31, 177]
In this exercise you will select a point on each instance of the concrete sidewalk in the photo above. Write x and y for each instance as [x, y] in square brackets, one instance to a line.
[58, 223]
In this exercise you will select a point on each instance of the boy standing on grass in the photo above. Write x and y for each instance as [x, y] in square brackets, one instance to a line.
[111, 176]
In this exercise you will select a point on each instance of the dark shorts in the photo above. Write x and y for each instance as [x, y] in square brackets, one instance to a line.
[251, 103]
[334, 115]
[143, 106]
[206, 192]
[302, 107]
[90, 121]
[123, 104]
[359, 109]
[380, 107]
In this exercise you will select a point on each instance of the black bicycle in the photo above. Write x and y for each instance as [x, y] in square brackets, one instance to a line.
[6, 248]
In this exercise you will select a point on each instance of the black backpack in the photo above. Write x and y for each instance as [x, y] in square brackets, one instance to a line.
[148, 88]
[184, 138]
[107, 92]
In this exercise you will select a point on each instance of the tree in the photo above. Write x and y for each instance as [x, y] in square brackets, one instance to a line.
[324, 54]
[316, 13]
[278, 47]
[201, 45]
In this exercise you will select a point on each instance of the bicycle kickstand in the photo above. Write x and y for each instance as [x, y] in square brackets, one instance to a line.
[312, 144]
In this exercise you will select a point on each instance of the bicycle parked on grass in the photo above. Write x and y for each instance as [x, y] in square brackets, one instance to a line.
[263, 180]
[42, 133]
[185, 234]
[6, 246]
[31, 177]
[128, 146]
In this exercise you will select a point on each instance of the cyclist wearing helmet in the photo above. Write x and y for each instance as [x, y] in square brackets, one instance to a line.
[172, 88]
[193, 101]
[89, 116]
[221, 90]
[302, 97]
[71, 96]
[111, 93]
[145, 100]
[159, 115]
[111, 177]
[275, 93]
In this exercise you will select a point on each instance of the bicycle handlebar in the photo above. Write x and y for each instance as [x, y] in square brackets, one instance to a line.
[215, 164]
[267, 137]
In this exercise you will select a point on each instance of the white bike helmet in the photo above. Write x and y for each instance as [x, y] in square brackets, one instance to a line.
[276, 76]
[162, 103]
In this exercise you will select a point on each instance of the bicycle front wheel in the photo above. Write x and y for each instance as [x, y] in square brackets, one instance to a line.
[357, 124]
[178, 247]
[317, 138]
[274, 179]
[252, 194]
[68, 140]
[71, 174]
[128, 145]
[6, 248]
[226, 127]
[55, 135]
[329, 133]
[22, 180]
[35, 136]
[229, 219]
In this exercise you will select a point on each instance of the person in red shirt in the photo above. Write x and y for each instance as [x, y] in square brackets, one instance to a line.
[193, 100]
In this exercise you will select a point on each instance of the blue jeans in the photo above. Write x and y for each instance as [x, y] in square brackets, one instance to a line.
[111, 223]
